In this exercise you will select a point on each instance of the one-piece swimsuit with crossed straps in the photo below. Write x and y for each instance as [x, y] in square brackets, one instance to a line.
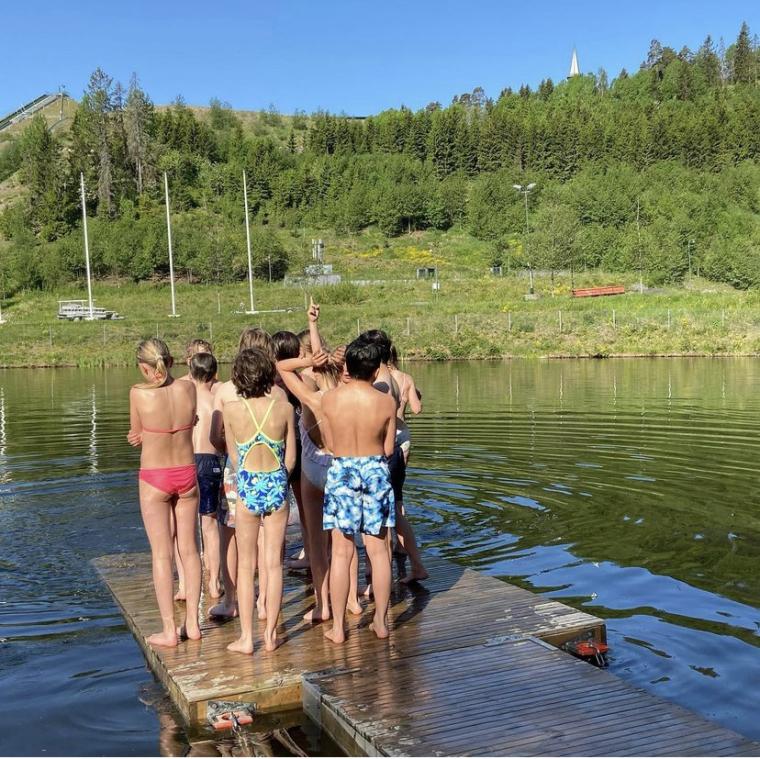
[262, 492]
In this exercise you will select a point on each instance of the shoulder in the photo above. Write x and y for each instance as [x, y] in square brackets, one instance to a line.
[226, 391]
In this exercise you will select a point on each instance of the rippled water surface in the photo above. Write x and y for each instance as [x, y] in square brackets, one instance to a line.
[626, 488]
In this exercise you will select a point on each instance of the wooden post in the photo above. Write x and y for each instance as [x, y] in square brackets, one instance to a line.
[456, 324]
[218, 303]
[358, 331]
[614, 321]
[408, 326]
[560, 321]
[509, 321]
[210, 333]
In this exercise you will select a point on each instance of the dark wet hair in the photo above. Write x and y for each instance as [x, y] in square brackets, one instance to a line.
[286, 345]
[362, 359]
[394, 357]
[203, 367]
[381, 339]
[253, 373]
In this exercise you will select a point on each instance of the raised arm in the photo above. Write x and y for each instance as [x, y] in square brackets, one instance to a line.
[287, 370]
[314, 337]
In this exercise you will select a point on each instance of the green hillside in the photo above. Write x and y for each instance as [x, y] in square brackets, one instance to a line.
[651, 176]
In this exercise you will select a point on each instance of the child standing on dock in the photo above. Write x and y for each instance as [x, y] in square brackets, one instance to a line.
[260, 430]
[162, 417]
[209, 463]
[360, 430]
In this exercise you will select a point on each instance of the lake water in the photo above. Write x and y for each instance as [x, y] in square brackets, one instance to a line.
[628, 488]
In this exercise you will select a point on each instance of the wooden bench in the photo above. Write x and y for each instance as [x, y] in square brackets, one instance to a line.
[592, 292]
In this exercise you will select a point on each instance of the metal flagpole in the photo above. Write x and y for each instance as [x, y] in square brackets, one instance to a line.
[169, 236]
[86, 242]
[248, 244]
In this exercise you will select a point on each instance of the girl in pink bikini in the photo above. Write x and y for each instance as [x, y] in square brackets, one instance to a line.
[162, 417]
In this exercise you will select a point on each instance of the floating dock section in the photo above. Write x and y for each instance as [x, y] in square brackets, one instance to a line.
[471, 667]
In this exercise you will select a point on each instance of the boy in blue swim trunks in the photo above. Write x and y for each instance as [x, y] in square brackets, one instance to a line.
[360, 430]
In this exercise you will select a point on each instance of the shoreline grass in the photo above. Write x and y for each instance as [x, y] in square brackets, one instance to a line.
[483, 318]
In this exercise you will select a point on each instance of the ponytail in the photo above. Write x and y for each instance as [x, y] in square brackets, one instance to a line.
[155, 353]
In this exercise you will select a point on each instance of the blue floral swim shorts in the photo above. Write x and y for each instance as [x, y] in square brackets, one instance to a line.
[358, 495]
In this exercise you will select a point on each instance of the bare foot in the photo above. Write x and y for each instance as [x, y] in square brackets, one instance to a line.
[241, 646]
[314, 615]
[415, 576]
[168, 640]
[354, 607]
[336, 636]
[223, 611]
[270, 644]
[215, 590]
[194, 632]
[380, 630]
[180, 595]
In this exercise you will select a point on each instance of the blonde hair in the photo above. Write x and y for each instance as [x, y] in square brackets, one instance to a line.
[254, 337]
[155, 353]
[197, 345]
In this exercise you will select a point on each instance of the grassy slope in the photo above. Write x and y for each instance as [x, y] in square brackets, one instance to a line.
[471, 318]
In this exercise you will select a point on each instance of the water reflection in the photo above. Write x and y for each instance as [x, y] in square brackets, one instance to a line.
[93, 432]
[628, 488]
[5, 473]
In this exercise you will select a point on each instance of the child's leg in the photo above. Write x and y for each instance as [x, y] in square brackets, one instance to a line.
[210, 533]
[247, 533]
[313, 499]
[300, 561]
[186, 517]
[155, 509]
[275, 525]
[409, 544]
[261, 568]
[180, 594]
[379, 557]
[353, 604]
[228, 555]
[340, 566]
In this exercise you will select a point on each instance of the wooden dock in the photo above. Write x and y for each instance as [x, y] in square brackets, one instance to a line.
[468, 669]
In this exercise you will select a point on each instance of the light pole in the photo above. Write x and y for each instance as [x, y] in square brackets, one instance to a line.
[525, 189]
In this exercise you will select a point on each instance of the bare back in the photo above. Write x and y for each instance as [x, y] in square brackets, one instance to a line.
[164, 417]
[205, 394]
[275, 419]
[359, 420]
[407, 393]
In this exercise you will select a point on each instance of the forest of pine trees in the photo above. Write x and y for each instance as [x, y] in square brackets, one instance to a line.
[635, 172]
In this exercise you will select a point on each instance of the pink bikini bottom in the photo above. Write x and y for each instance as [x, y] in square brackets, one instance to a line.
[172, 480]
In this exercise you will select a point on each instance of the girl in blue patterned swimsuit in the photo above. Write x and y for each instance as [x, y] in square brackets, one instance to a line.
[262, 427]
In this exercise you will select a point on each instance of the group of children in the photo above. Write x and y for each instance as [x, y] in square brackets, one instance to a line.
[327, 426]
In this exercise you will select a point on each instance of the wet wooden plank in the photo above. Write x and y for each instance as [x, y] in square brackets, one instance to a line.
[455, 609]
[520, 698]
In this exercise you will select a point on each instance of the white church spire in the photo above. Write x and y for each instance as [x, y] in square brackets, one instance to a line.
[574, 68]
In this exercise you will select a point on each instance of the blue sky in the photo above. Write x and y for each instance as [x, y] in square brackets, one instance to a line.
[355, 57]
